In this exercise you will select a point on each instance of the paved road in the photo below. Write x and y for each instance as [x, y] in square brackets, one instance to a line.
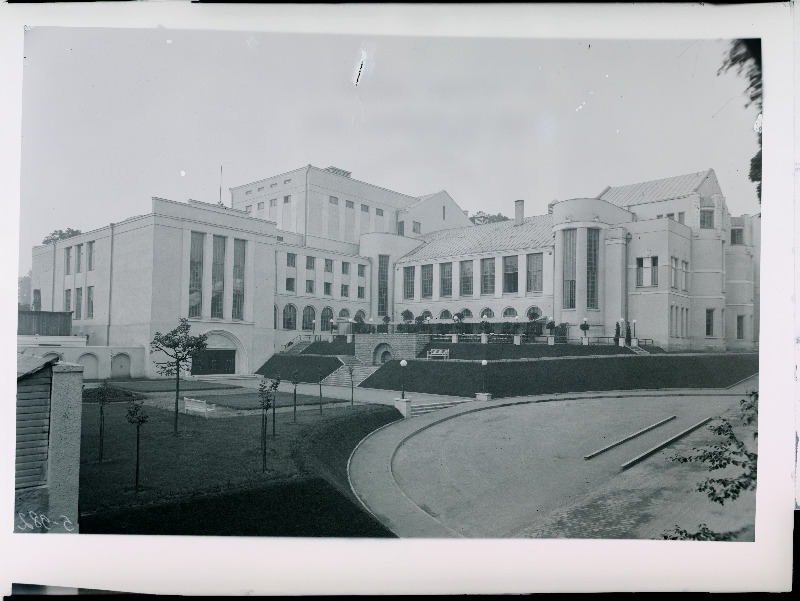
[516, 468]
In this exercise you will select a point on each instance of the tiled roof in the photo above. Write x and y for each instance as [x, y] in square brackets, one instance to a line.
[27, 364]
[660, 189]
[535, 232]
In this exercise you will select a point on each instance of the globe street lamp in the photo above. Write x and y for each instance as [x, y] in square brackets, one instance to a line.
[313, 328]
[403, 364]
[484, 363]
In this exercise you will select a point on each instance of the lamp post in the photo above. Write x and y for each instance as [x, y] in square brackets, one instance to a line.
[313, 329]
[403, 364]
[319, 373]
[370, 326]
[484, 363]
[622, 330]
[634, 328]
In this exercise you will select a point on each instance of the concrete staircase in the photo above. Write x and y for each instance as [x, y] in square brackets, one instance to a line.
[423, 408]
[638, 350]
[341, 377]
[298, 347]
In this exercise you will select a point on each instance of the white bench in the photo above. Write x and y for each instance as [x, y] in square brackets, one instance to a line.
[198, 407]
[438, 353]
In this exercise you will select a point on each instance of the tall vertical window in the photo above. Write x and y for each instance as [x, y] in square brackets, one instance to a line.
[362, 271]
[570, 269]
[325, 319]
[408, 282]
[654, 271]
[465, 278]
[89, 302]
[511, 274]
[401, 228]
[90, 256]
[685, 275]
[333, 217]
[291, 259]
[196, 275]
[673, 272]
[327, 288]
[309, 315]
[78, 258]
[445, 279]
[487, 276]
[383, 285]
[737, 235]
[681, 217]
[289, 317]
[427, 281]
[345, 290]
[37, 299]
[416, 227]
[740, 327]
[329, 265]
[709, 322]
[361, 292]
[647, 271]
[239, 247]
[345, 268]
[310, 263]
[707, 218]
[534, 273]
[68, 260]
[78, 303]
[218, 277]
[67, 300]
[592, 266]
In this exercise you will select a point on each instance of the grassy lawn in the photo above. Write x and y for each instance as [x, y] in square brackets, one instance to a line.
[250, 400]
[167, 385]
[308, 368]
[568, 375]
[209, 456]
[337, 347]
[524, 351]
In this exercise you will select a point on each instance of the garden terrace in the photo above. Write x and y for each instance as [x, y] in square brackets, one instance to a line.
[574, 374]
[308, 367]
[523, 351]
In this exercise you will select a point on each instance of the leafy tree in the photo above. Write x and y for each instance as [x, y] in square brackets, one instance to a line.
[24, 292]
[136, 416]
[744, 56]
[267, 396]
[180, 347]
[628, 333]
[730, 451]
[480, 218]
[57, 235]
[350, 370]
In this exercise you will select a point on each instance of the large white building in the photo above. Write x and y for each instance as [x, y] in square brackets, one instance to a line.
[298, 251]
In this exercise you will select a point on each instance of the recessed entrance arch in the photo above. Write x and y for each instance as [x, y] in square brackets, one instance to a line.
[90, 364]
[224, 354]
[121, 366]
[383, 353]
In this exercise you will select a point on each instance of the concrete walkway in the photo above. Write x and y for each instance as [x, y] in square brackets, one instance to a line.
[515, 468]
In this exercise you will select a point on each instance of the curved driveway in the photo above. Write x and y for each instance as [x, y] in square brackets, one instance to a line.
[503, 468]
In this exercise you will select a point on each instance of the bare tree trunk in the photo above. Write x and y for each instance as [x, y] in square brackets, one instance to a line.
[102, 427]
[177, 395]
[136, 485]
[263, 440]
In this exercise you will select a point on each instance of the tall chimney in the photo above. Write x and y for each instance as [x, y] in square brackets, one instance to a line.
[519, 212]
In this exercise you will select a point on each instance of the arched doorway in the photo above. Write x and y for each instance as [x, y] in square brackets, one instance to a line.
[382, 354]
[90, 364]
[120, 366]
[224, 354]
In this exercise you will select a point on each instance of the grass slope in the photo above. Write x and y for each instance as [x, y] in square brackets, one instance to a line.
[308, 368]
[337, 347]
[524, 378]
[524, 351]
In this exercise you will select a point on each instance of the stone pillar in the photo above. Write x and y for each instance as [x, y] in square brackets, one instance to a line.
[558, 277]
[580, 274]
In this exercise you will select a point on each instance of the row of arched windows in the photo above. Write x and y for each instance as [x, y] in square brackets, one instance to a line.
[485, 313]
[308, 318]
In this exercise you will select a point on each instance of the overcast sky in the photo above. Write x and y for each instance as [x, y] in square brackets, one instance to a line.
[112, 117]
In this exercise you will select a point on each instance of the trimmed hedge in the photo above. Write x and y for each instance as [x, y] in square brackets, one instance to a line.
[337, 347]
[307, 367]
[524, 351]
[115, 395]
[524, 378]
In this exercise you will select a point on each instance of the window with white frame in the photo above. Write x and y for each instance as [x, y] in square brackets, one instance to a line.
[673, 272]
[68, 260]
[408, 282]
[345, 290]
[427, 281]
[709, 322]
[511, 273]
[310, 286]
[465, 278]
[416, 227]
[647, 271]
[535, 272]
[707, 219]
[487, 276]
[737, 235]
[445, 279]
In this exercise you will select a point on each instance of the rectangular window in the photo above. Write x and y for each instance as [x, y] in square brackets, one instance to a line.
[383, 285]
[465, 278]
[67, 300]
[348, 204]
[78, 302]
[274, 185]
[737, 236]
[90, 256]
[647, 271]
[361, 292]
[273, 202]
[427, 281]
[287, 199]
[261, 206]
[570, 267]
[654, 271]
[443, 213]
[78, 258]
[248, 208]
[673, 272]
[310, 286]
[327, 288]
[401, 228]
[445, 279]
[534, 273]
[328, 265]
[333, 200]
[408, 282]
[740, 327]
[196, 274]
[379, 212]
[707, 219]
[681, 217]
[362, 271]
[68, 260]
[248, 192]
[487, 276]
[218, 277]
[709, 322]
[416, 227]
[291, 259]
[239, 247]
[89, 302]
[289, 284]
[345, 291]
[260, 188]
[511, 274]
[365, 208]
[345, 268]
[310, 263]
[659, 216]
[685, 275]
[592, 267]
[671, 216]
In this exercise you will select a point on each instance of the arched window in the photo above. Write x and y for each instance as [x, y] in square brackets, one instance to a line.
[445, 314]
[308, 318]
[466, 313]
[275, 325]
[426, 315]
[533, 313]
[344, 313]
[360, 316]
[407, 315]
[289, 317]
[326, 318]
[509, 312]
[487, 313]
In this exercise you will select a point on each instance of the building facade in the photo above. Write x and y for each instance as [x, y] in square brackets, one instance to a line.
[306, 251]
